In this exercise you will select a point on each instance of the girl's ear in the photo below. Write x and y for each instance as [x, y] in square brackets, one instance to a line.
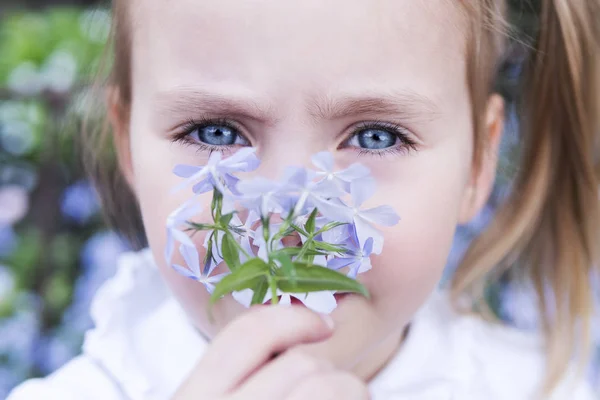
[119, 119]
[482, 181]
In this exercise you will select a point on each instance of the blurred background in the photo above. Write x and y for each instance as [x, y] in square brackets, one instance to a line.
[55, 250]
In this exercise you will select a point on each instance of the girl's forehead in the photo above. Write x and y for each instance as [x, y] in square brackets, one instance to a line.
[270, 45]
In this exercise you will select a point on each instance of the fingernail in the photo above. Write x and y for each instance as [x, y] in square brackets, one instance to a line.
[328, 321]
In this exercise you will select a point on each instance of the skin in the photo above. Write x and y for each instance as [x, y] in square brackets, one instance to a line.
[288, 66]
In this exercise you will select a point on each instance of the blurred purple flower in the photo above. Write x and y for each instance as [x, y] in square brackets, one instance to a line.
[99, 257]
[80, 202]
[7, 283]
[218, 173]
[8, 240]
[54, 351]
[19, 173]
[18, 334]
[14, 204]
[519, 306]
[9, 378]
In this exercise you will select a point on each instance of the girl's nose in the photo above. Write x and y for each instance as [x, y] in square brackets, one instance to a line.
[288, 149]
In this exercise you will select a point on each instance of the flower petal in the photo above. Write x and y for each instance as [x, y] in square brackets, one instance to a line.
[365, 265]
[339, 263]
[246, 155]
[184, 213]
[184, 271]
[186, 171]
[295, 177]
[334, 210]
[191, 257]
[364, 231]
[368, 247]
[361, 190]
[285, 299]
[257, 186]
[204, 186]
[337, 235]
[322, 302]
[382, 215]
[243, 297]
[324, 161]
[182, 237]
[353, 172]
[327, 189]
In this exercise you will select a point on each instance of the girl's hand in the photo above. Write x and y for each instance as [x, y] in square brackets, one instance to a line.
[240, 362]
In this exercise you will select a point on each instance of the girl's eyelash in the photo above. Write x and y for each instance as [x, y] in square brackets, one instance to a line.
[192, 125]
[407, 144]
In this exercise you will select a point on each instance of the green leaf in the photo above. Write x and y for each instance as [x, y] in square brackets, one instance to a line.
[287, 267]
[248, 276]
[201, 227]
[230, 252]
[331, 248]
[299, 230]
[313, 278]
[226, 219]
[260, 291]
[310, 224]
[294, 251]
[330, 226]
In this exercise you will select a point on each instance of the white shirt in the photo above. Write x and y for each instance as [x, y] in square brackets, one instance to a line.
[144, 347]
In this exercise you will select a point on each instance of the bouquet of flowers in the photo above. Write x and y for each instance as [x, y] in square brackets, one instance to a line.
[304, 238]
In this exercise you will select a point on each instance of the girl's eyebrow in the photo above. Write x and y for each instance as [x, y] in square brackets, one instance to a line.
[405, 104]
[184, 101]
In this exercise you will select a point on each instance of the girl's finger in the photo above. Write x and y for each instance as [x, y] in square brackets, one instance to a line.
[251, 340]
[330, 386]
[278, 378]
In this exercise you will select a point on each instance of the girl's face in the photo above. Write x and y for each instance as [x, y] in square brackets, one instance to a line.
[295, 78]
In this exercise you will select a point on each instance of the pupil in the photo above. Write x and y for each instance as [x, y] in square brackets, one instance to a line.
[217, 135]
[376, 139]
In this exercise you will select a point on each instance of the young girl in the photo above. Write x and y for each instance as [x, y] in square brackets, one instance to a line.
[405, 88]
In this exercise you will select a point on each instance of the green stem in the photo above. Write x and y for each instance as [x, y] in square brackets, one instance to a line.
[239, 246]
[305, 248]
[273, 285]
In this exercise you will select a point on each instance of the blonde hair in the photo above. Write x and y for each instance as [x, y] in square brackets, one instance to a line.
[549, 225]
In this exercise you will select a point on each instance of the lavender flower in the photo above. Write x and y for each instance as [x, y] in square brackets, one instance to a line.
[218, 173]
[263, 196]
[248, 234]
[323, 302]
[192, 271]
[175, 221]
[363, 220]
[305, 192]
[357, 259]
[325, 163]
[14, 204]
[305, 205]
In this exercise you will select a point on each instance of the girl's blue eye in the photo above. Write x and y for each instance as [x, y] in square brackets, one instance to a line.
[217, 134]
[374, 139]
